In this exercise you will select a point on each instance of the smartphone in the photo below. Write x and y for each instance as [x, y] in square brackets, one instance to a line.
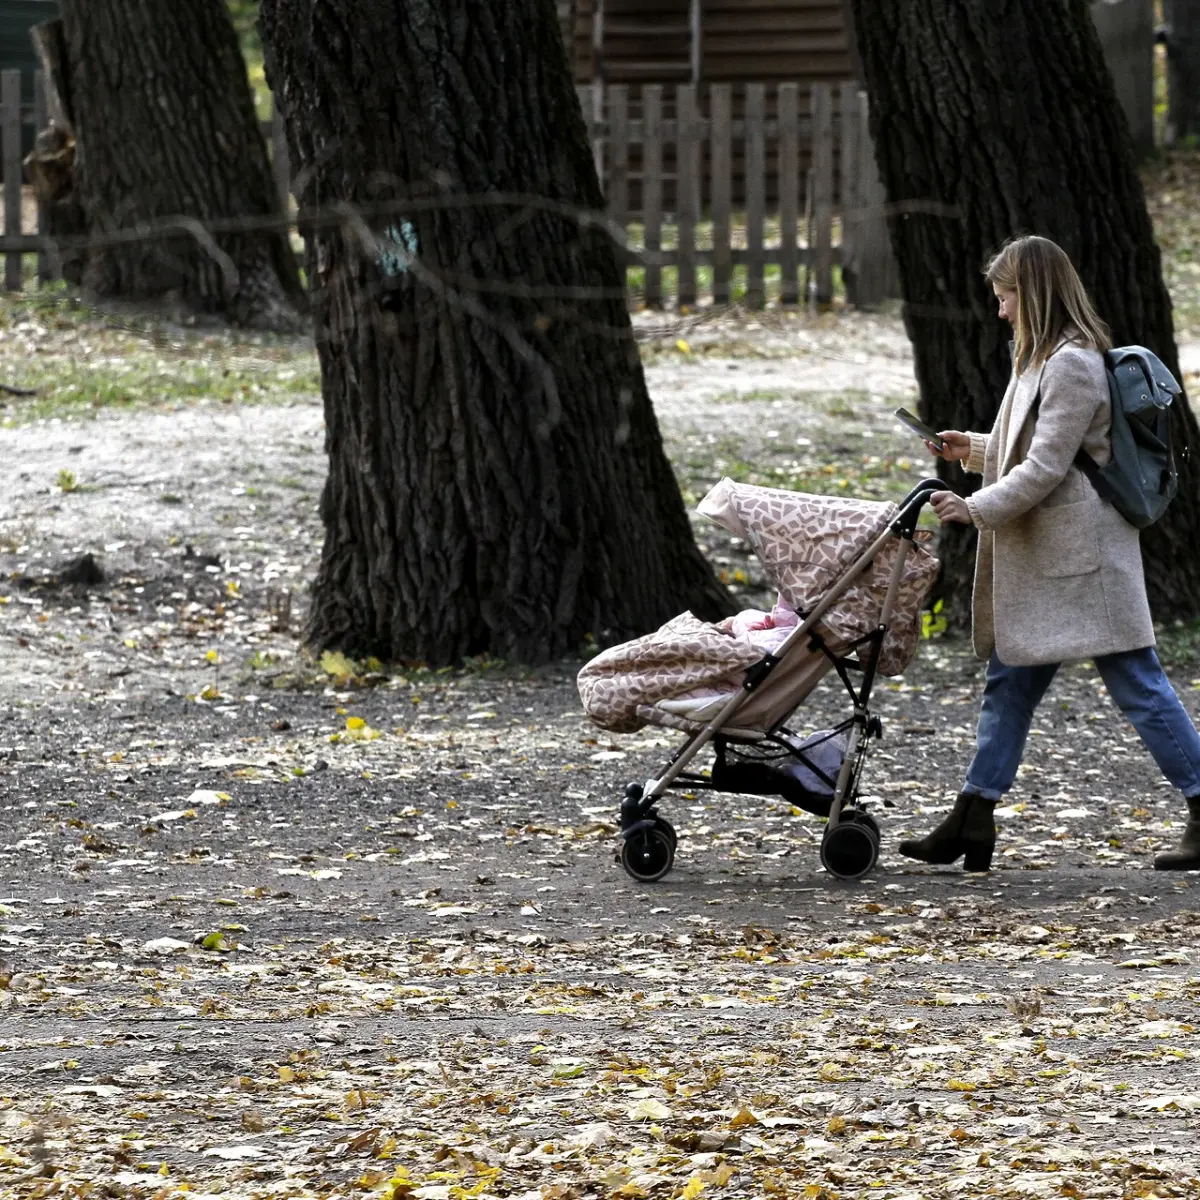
[919, 426]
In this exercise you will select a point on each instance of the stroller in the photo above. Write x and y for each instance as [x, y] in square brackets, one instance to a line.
[852, 578]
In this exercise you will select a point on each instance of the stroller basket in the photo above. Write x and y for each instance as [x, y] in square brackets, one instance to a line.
[854, 576]
[804, 775]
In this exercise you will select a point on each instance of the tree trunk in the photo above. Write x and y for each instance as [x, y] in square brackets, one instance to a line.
[1183, 70]
[167, 143]
[50, 167]
[990, 122]
[497, 482]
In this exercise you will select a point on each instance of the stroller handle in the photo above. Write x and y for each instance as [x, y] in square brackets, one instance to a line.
[911, 505]
[924, 490]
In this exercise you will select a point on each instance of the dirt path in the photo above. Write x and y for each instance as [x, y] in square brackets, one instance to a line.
[431, 975]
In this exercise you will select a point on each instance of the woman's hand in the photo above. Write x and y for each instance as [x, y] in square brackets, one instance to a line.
[950, 507]
[956, 447]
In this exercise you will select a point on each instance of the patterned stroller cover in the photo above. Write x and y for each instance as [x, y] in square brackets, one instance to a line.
[679, 675]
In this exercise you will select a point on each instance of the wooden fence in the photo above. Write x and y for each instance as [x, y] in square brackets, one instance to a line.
[667, 161]
[669, 158]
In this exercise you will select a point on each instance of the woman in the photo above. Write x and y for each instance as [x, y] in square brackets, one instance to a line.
[1058, 571]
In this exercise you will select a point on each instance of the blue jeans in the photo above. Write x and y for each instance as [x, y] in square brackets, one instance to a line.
[1134, 679]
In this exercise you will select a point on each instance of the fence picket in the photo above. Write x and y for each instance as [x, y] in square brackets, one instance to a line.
[756, 171]
[10, 136]
[789, 189]
[41, 118]
[687, 191]
[849, 200]
[652, 190]
[617, 192]
[720, 99]
[822, 250]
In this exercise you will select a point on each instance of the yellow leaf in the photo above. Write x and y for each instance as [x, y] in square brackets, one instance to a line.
[333, 662]
[649, 1110]
[399, 1186]
[682, 346]
[742, 1118]
[959, 1085]
[693, 1188]
[286, 1075]
[359, 730]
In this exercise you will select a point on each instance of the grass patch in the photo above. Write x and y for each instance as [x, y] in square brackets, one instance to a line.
[826, 458]
[81, 360]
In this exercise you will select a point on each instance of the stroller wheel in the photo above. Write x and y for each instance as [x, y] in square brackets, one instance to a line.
[849, 850]
[649, 854]
[669, 829]
[860, 817]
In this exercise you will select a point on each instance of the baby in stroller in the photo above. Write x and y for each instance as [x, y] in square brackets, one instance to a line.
[852, 577]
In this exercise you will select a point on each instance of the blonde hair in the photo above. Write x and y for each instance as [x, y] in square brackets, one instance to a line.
[1051, 300]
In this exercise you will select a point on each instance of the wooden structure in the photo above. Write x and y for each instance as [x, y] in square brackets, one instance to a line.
[669, 42]
[711, 41]
[745, 96]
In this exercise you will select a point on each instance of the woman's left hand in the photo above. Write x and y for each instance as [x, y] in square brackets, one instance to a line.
[950, 507]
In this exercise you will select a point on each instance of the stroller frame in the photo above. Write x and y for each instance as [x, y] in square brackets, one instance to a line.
[850, 845]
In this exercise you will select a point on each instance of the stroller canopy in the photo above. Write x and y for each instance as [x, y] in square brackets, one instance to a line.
[805, 544]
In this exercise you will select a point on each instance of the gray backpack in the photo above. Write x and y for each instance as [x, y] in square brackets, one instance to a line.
[1140, 479]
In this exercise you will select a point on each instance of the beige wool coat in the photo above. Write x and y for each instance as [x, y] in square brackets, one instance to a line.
[1058, 572]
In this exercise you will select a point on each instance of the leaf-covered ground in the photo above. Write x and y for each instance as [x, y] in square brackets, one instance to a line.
[252, 960]
[273, 927]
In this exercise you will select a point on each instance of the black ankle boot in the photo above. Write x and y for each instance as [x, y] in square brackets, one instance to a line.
[1187, 856]
[968, 832]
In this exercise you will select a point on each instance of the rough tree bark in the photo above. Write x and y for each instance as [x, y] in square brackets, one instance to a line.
[1183, 69]
[991, 121]
[167, 143]
[497, 482]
